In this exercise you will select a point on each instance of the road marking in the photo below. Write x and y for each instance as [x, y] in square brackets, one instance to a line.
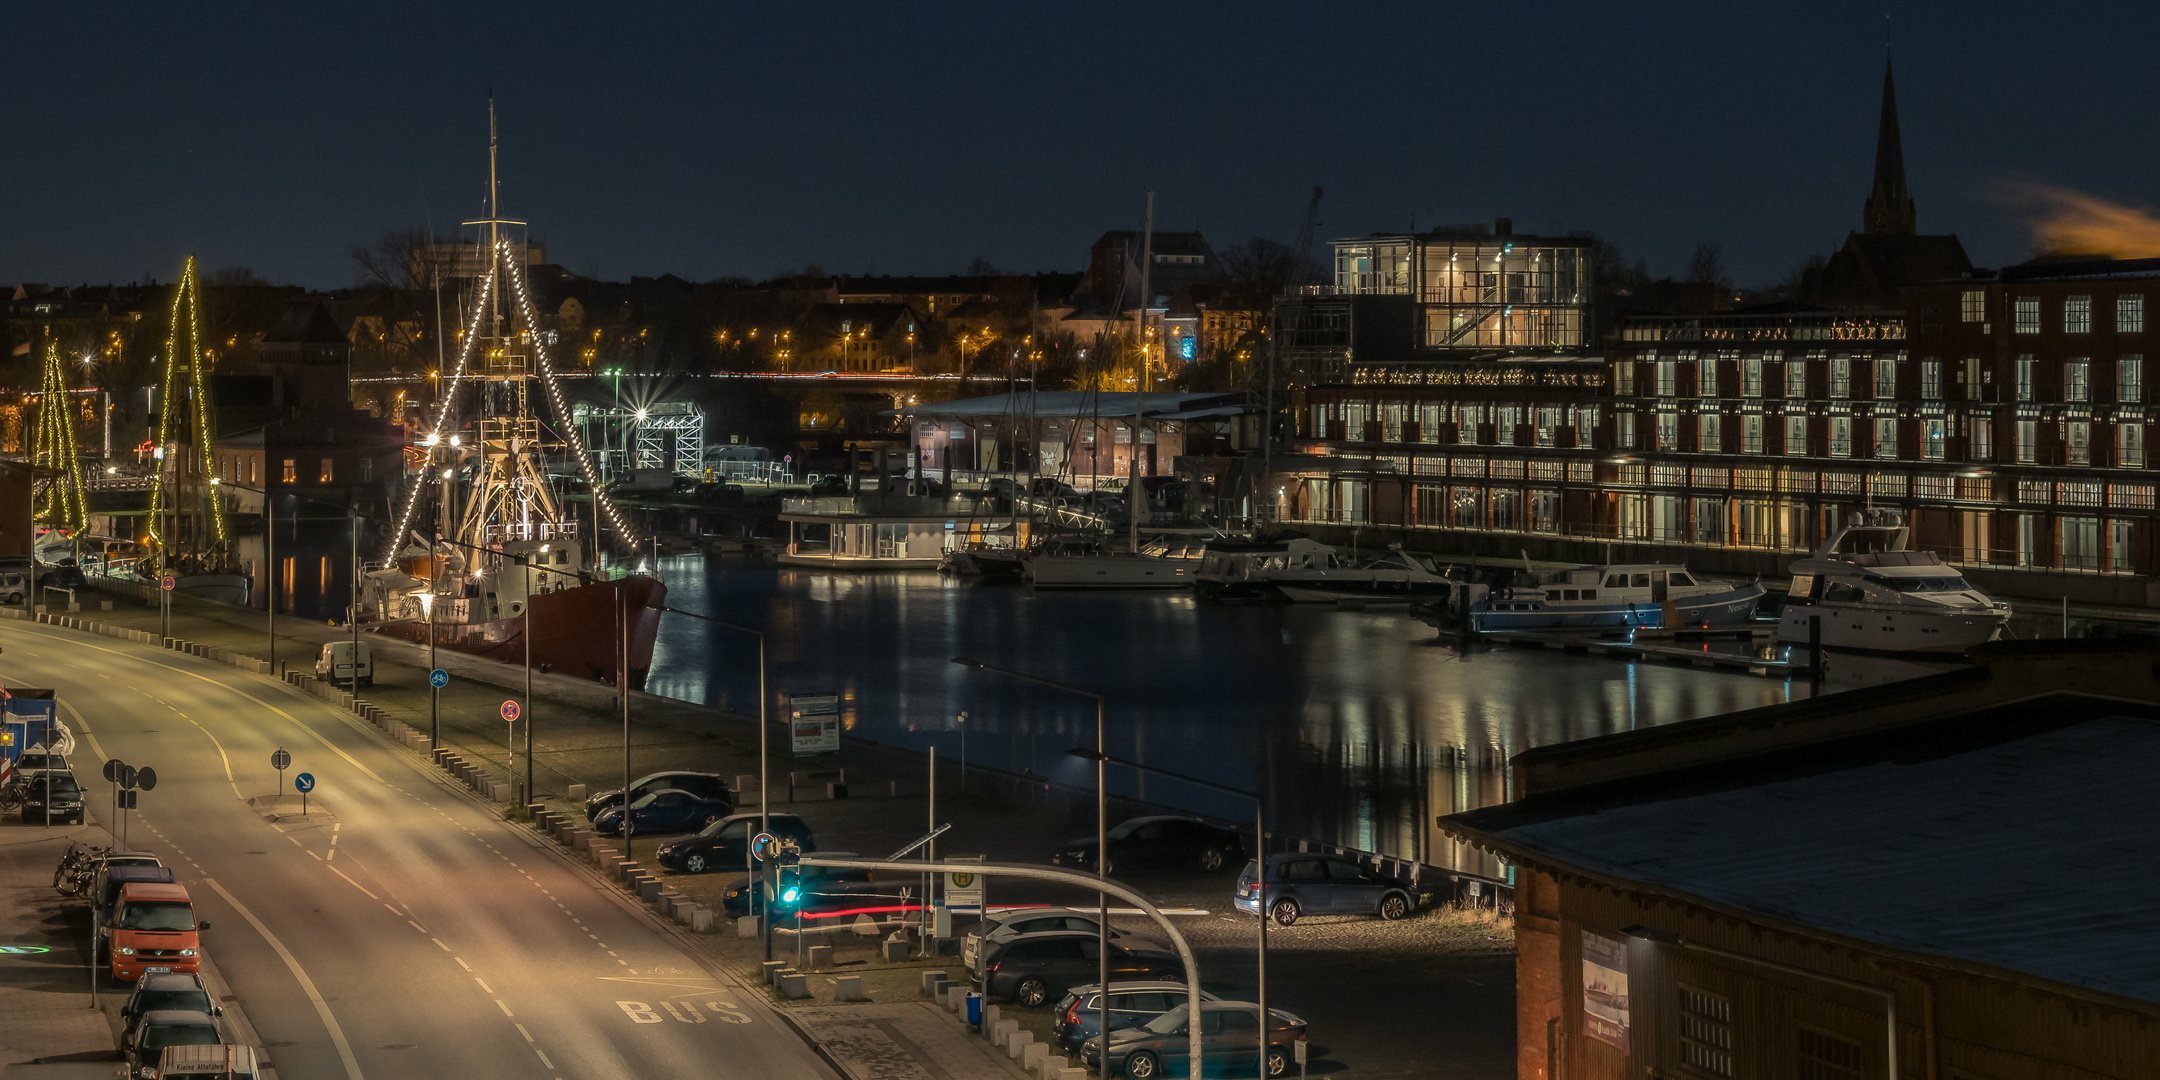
[522, 1031]
[505, 1009]
[544, 1060]
[357, 885]
[439, 944]
[491, 993]
[395, 911]
[307, 985]
[416, 926]
[318, 858]
[461, 963]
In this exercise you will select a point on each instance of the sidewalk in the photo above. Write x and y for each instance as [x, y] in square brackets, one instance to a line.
[903, 1041]
[54, 1030]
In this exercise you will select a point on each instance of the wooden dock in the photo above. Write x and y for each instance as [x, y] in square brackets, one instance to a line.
[1675, 653]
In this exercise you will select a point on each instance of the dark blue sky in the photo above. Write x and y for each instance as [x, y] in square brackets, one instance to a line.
[745, 139]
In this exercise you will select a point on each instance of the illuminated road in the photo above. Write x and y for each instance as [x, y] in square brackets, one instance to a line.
[402, 930]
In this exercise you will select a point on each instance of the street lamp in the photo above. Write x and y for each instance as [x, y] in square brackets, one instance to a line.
[1102, 846]
[1259, 860]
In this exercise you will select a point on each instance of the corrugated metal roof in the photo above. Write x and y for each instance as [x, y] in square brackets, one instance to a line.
[2038, 854]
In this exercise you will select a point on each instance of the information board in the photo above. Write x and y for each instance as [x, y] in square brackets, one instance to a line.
[814, 724]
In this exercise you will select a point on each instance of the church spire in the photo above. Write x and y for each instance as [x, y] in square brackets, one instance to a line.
[1889, 209]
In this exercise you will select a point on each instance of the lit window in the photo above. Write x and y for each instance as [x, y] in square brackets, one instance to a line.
[2130, 377]
[1795, 434]
[2077, 380]
[1886, 377]
[1751, 377]
[1751, 433]
[1796, 378]
[328, 471]
[2028, 440]
[2028, 315]
[1972, 305]
[1886, 437]
[1931, 439]
[1840, 376]
[292, 471]
[2025, 377]
[1931, 380]
[1841, 436]
[2077, 315]
[2077, 442]
[2130, 313]
[1708, 438]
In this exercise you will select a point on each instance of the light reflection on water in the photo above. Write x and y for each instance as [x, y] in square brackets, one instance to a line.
[1359, 727]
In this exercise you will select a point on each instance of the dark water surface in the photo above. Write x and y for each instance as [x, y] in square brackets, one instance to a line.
[1356, 723]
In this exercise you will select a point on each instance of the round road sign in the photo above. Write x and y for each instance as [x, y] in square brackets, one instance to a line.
[112, 769]
[510, 711]
[438, 678]
[146, 778]
[304, 783]
[169, 583]
[764, 845]
[279, 759]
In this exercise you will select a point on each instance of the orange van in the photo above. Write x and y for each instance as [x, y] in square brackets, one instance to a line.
[153, 931]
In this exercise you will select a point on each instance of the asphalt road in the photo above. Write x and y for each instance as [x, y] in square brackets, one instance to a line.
[402, 930]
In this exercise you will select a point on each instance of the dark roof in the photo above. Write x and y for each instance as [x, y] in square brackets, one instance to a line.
[2045, 269]
[306, 322]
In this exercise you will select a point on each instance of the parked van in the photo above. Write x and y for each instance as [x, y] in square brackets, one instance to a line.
[211, 1062]
[336, 664]
[154, 931]
[110, 880]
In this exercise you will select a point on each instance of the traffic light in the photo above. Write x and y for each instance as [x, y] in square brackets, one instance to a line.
[788, 887]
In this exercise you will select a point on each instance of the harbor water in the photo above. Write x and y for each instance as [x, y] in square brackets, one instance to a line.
[1358, 725]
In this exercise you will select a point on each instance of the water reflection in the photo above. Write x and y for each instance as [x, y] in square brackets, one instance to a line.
[1357, 725]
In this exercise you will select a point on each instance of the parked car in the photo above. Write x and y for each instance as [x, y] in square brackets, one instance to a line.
[1229, 1043]
[225, 1062]
[336, 663]
[30, 761]
[668, 810]
[1159, 843]
[1299, 884]
[826, 892]
[153, 931]
[1001, 929]
[161, 1028]
[703, 784]
[51, 795]
[725, 844]
[1132, 1004]
[13, 587]
[155, 993]
[1038, 969]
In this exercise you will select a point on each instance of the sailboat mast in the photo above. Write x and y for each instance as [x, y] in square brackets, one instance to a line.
[1134, 497]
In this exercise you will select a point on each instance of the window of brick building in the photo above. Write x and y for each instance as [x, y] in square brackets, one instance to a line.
[2077, 442]
[1841, 436]
[2130, 313]
[1751, 377]
[292, 471]
[1823, 1056]
[1707, 433]
[2130, 445]
[1668, 378]
[2028, 315]
[1751, 433]
[1931, 439]
[2025, 377]
[1983, 438]
[1841, 376]
[1931, 379]
[1974, 378]
[329, 471]
[1624, 378]
[2028, 441]
[1795, 434]
[2130, 377]
[1706, 1040]
[1972, 305]
[1796, 378]
[1886, 376]
[1706, 376]
[2077, 379]
[2077, 315]
[1668, 430]
[1886, 437]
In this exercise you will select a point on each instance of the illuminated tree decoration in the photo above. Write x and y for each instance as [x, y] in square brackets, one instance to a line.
[60, 502]
[185, 404]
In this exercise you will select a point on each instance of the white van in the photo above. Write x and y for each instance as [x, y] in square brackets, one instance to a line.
[336, 664]
[213, 1062]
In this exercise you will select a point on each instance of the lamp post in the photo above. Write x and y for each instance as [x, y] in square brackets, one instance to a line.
[1259, 860]
[270, 574]
[1102, 846]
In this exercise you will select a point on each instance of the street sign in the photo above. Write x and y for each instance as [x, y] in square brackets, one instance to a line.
[280, 760]
[438, 678]
[112, 769]
[510, 711]
[1297, 1050]
[304, 783]
[169, 583]
[963, 891]
[763, 845]
[124, 776]
[146, 778]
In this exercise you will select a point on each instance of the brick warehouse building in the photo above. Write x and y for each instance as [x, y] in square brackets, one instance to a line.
[1966, 897]
[2000, 412]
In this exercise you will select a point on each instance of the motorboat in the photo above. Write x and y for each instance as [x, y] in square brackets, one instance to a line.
[1871, 591]
[1618, 596]
[1073, 566]
[1306, 571]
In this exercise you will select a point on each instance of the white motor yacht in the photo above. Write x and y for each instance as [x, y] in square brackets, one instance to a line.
[1872, 591]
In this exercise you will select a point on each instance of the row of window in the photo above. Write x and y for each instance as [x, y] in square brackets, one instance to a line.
[2076, 312]
[1880, 437]
[1757, 371]
[244, 469]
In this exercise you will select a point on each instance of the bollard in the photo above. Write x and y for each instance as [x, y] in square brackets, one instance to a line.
[992, 1014]
[795, 986]
[1022, 1045]
[576, 793]
[744, 782]
[848, 988]
[894, 951]
[701, 920]
[930, 980]
[770, 970]
[648, 890]
[1070, 1073]
[1001, 1031]
[746, 926]
[820, 957]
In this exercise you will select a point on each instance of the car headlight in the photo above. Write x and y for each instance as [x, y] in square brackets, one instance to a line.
[32, 802]
[187, 952]
[125, 951]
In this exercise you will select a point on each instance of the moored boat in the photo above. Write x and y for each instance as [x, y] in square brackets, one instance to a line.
[1867, 589]
[1619, 596]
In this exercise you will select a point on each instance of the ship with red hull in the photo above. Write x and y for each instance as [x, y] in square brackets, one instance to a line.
[501, 554]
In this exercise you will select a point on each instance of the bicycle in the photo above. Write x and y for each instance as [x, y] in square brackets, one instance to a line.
[77, 867]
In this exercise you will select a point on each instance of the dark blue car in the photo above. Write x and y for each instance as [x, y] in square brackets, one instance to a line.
[669, 810]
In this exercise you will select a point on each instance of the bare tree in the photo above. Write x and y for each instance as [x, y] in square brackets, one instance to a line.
[1706, 266]
[1256, 271]
[409, 258]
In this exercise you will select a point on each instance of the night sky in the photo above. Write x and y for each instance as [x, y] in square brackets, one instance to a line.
[751, 139]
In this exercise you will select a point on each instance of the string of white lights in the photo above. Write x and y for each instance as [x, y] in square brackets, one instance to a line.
[623, 532]
[442, 415]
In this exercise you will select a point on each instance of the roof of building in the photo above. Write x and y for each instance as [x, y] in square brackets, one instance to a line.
[2019, 838]
[306, 322]
[1074, 404]
[2093, 267]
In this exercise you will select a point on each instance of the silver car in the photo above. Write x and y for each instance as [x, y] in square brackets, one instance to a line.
[1229, 1043]
[978, 946]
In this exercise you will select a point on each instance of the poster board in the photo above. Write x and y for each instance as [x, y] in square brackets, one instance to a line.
[814, 724]
[1605, 989]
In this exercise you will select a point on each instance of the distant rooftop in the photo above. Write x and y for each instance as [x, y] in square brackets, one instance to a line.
[1077, 404]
